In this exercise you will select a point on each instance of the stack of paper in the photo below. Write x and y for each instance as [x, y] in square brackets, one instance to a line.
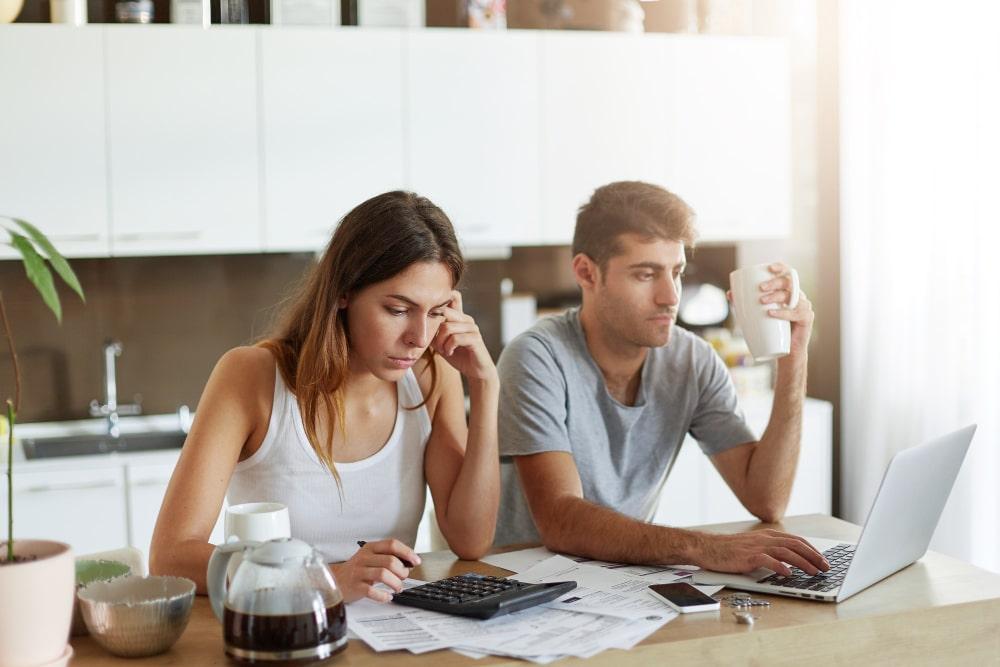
[610, 608]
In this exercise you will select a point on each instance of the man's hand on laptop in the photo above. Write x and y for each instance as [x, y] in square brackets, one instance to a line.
[746, 552]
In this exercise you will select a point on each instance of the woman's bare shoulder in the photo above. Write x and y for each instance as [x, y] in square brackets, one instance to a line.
[249, 359]
[248, 370]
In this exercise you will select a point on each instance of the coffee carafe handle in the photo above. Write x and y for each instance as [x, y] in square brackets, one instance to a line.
[216, 577]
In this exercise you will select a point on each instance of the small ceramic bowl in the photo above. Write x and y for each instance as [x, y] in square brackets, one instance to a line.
[137, 616]
[88, 571]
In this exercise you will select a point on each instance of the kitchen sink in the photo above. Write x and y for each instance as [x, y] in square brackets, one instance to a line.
[83, 437]
[83, 445]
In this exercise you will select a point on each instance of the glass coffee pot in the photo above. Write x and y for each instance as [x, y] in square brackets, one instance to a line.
[282, 604]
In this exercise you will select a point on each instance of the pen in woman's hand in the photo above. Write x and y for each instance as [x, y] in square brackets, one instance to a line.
[406, 563]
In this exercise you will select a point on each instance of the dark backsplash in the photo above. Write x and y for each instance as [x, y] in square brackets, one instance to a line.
[175, 317]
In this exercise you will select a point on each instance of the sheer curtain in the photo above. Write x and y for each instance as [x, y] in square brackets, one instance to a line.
[920, 281]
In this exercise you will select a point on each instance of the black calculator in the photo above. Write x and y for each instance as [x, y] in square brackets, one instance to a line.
[481, 596]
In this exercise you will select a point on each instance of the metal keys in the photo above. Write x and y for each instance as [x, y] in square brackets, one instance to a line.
[743, 601]
[742, 604]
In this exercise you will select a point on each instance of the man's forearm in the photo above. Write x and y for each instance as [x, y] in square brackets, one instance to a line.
[771, 469]
[576, 526]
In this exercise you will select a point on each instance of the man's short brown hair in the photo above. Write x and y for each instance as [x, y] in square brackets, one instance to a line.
[630, 207]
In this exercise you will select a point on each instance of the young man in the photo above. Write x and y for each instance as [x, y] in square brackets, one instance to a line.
[596, 402]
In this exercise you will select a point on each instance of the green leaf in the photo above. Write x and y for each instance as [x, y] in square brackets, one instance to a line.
[58, 262]
[38, 273]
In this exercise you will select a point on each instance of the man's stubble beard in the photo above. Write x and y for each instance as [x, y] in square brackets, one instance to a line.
[618, 324]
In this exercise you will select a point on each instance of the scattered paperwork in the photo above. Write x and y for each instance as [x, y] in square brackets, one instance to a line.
[613, 591]
[610, 608]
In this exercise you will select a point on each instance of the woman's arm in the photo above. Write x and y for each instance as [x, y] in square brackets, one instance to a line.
[233, 413]
[231, 422]
[461, 462]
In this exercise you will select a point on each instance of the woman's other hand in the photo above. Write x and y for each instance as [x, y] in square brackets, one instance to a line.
[459, 342]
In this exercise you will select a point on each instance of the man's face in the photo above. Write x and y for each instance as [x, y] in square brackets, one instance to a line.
[635, 297]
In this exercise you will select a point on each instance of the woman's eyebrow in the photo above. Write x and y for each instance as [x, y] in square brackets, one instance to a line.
[414, 303]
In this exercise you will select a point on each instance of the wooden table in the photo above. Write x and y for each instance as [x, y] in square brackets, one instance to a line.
[938, 609]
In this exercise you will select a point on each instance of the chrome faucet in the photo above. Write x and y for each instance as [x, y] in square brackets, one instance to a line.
[111, 409]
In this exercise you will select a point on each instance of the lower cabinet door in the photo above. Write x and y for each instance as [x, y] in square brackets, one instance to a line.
[147, 486]
[84, 508]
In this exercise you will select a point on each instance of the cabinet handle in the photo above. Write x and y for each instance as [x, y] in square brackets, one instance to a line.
[157, 236]
[148, 482]
[80, 486]
[74, 238]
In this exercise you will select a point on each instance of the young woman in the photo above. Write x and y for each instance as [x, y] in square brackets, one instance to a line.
[350, 409]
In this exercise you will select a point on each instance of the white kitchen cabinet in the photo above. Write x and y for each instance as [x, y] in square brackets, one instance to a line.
[53, 170]
[608, 114]
[696, 494]
[182, 120]
[82, 507]
[732, 154]
[473, 131]
[147, 485]
[332, 126]
[149, 140]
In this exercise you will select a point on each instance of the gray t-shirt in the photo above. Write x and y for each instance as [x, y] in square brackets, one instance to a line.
[553, 398]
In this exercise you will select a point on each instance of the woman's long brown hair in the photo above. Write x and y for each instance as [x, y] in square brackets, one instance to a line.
[377, 240]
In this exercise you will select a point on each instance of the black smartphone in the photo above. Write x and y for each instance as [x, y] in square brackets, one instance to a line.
[684, 598]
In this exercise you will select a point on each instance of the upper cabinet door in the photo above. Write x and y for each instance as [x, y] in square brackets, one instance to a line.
[607, 115]
[733, 152]
[472, 131]
[333, 128]
[182, 118]
[53, 171]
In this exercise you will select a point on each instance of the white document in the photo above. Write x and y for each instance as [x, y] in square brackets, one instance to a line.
[610, 591]
[540, 634]
[518, 561]
[646, 571]
[617, 580]
[553, 632]
[384, 626]
[393, 630]
[622, 605]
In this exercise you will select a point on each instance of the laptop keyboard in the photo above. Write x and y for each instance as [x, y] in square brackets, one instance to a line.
[839, 558]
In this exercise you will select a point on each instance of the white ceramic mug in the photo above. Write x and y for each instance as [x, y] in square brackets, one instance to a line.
[257, 522]
[766, 336]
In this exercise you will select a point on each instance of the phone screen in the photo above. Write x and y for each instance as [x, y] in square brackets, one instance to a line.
[683, 595]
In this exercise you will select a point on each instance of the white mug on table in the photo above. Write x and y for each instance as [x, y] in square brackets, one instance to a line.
[254, 522]
[257, 522]
[766, 336]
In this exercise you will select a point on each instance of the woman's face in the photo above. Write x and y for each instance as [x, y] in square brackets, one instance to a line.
[391, 323]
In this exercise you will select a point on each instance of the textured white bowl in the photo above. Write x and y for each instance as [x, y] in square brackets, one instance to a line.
[137, 616]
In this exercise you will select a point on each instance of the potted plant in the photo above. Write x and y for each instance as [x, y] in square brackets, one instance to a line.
[36, 576]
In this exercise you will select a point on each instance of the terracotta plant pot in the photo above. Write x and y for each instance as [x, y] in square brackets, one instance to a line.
[36, 603]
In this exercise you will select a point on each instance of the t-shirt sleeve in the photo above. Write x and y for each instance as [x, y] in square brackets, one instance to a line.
[532, 411]
[718, 423]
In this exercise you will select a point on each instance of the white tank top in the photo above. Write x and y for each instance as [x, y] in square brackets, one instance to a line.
[383, 495]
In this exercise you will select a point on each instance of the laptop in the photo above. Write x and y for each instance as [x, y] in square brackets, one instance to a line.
[898, 530]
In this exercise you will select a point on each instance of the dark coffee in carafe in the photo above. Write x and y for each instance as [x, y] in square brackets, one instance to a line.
[286, 638]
